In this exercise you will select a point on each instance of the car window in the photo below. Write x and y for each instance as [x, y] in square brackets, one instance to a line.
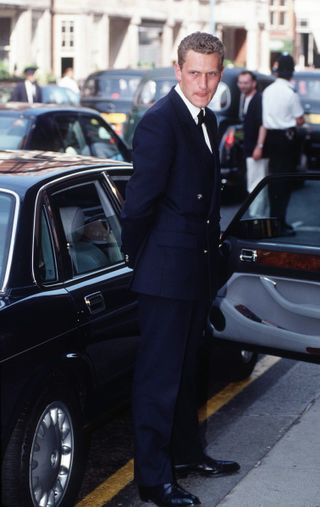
[53, 94]
[153, 90]
[102, 141]
[91, 228]
[308, 89]
[71, 135]
[297, 202]
[221, 99]
[13, 130]
[7, 203]
[112, 88]
[46, 260]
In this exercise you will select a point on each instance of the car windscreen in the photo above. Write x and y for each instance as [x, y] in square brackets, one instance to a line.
[13, 130]
[111, 88]
[7, 204]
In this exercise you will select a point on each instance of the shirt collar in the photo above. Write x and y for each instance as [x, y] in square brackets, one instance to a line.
[285, 82]
[194, 110]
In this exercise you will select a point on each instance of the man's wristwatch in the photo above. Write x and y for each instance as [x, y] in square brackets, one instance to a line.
[260, 145]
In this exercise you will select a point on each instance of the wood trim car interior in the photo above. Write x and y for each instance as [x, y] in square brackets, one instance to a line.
[289, 260]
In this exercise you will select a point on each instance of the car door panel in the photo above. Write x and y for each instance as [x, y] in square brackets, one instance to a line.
[98, 281]
[270, 297]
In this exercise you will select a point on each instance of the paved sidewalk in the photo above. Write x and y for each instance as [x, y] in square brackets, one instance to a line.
[289, 475]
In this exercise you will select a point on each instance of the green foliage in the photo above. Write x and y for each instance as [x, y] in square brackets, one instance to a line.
[4, 73]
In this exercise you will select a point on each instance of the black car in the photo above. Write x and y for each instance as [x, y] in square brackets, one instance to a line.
[67, 129]
[307, 84]
[269, 299]
[225, 103]
[68, 329]
[111, 93]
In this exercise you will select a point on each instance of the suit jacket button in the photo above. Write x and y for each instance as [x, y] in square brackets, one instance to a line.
[126, 259]
[208, 222]
[205, 251]
[199, 196]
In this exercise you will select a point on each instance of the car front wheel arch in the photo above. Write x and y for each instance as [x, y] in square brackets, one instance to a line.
[44, 459]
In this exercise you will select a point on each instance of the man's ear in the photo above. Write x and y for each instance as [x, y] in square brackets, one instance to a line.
[177, 71]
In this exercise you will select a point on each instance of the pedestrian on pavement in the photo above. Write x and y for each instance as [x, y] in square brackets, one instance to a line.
[67, 81]
[282, 112]
[170, 237]
[27, 90]
[256, 163]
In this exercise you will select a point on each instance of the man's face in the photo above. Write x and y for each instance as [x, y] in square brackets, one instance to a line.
[30, 76]
[246, 84]
[199, 77]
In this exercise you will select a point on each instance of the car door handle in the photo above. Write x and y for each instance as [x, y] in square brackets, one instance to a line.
[297, 308]
[248, 255]
[95, 302]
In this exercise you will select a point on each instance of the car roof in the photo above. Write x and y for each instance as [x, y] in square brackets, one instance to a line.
[310, 74]
[117, 72]
[39, 108]
[168, 72]
[23, 169]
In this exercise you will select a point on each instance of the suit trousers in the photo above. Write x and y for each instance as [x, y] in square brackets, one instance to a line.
[165, 420]
[282, 149]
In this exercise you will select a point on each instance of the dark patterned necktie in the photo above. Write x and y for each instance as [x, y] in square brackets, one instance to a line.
[200, 118]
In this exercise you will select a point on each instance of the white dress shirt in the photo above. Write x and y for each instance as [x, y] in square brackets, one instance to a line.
[280, 105]
[194, 111]
[31, 91]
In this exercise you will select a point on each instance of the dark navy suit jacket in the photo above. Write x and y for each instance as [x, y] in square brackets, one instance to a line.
[19, 93]
[171, 213]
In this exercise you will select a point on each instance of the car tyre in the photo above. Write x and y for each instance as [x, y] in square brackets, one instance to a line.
[44, 459]
[240, 363]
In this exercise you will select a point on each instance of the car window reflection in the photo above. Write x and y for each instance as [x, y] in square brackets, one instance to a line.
[91, 228]
[301, 198]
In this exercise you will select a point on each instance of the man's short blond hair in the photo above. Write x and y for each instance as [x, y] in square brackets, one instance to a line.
[200, 42]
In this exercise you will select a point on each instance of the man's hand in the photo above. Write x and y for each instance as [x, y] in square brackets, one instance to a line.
[257, 152]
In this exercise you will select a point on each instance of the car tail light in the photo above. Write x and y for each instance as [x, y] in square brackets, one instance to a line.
[230, 138]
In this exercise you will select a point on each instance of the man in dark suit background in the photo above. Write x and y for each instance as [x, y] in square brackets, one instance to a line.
[28, 90]
[170, 237]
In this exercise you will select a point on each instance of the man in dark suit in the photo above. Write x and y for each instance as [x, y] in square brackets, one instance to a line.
[251, 115]
[28, 90]
[170, 237]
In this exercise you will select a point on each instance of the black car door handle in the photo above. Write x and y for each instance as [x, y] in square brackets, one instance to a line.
[95, 302]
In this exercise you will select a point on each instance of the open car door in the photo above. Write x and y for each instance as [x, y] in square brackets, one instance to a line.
[270, 294]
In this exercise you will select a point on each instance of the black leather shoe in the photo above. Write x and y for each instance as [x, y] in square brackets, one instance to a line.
[208, 467]
[167, 495]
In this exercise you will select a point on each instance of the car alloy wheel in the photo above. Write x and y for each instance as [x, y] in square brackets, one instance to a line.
[52, 454]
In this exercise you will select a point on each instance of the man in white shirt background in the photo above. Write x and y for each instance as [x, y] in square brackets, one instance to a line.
[68, 81]
[282, 112]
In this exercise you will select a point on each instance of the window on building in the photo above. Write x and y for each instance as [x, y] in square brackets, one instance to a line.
[282, 18]
[67, 34]
[5, 30]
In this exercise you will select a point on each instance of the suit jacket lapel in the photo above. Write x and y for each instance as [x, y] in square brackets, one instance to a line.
[191, 131]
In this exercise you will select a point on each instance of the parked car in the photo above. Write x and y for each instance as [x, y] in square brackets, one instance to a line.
[68, 129]
[111, 93]
[54, 94]
[270, 289]
[307, 84]
[51, 93]
[226, 102]
[68, 328]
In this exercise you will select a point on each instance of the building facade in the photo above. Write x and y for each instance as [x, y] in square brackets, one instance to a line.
[92, 35]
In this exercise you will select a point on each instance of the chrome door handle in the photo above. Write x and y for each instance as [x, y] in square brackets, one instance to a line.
[95, 302]
[248, 255]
